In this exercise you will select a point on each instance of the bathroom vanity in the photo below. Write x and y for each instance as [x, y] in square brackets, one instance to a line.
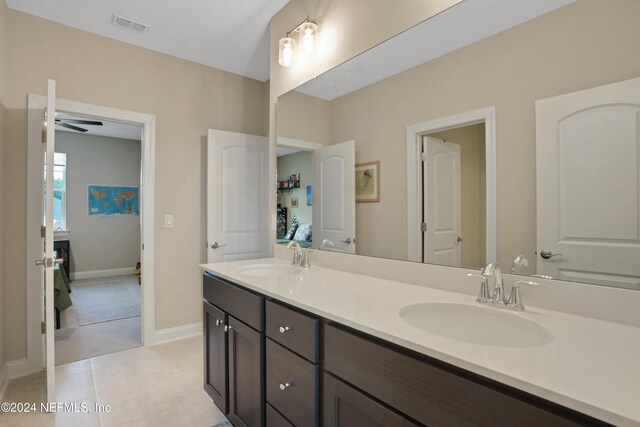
[290, 346]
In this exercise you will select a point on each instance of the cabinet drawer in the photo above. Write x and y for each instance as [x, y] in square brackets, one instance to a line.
[299, 400]
[294, 330]
[238, 302]
[431, 394]
[275, 419]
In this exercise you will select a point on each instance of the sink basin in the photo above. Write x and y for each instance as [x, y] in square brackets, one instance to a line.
[269, 270]
[476, 324]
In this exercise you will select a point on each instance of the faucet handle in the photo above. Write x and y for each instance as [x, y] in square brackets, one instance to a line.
[304, 259]
[483, 295]
[515, 299]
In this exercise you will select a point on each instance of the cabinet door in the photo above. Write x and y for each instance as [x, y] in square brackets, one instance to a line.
[347, 407]
[246, 380]
[215, 355]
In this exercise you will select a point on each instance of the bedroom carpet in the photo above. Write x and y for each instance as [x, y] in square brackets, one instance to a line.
[99, 301]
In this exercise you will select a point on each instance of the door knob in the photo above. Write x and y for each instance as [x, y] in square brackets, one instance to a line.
[348, 240]
[49, 262]
[459, 239]
[546, 254]
[216, 245]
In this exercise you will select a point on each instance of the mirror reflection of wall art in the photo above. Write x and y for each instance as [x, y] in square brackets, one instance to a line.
[368, 182]
[294, 202]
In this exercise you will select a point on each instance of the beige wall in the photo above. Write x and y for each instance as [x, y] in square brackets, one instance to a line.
[585, 44]
[303, 117]
[4, 34]
[100, 242]
[186, 99]
[473, 181]
[302, 163]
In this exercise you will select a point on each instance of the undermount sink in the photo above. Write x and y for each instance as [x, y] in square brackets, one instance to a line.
[476, 324]
[270, 270]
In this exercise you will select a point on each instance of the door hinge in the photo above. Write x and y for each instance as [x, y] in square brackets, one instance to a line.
[44, 136]
[423, 227]
[423, 157]
[43, 328]
[43, 231]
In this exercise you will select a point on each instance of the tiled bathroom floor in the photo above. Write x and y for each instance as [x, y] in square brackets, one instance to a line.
[144, 386]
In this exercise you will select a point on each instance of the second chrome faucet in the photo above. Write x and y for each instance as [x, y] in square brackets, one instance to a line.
[498, 296]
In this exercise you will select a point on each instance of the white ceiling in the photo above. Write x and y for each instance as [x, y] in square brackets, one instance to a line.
[112, 129]
[231, 35]
[458, 26]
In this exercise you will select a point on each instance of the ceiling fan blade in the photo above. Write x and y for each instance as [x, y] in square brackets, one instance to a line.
[72, 127]
[80, 122]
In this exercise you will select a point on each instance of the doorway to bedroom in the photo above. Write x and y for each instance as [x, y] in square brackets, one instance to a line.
[97, 228]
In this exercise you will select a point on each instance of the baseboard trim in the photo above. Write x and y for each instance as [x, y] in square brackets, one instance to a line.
[4, 381]
[17, 368]
[177, 333]
[79, 275]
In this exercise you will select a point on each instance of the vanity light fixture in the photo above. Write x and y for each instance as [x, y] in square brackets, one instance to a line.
[307, 34]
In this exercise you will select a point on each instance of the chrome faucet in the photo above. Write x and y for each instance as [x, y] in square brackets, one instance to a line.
[326, 243]
[493, 269]
[300, 257]
[520, 261]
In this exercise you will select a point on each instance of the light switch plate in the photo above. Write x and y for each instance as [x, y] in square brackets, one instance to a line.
[168, 221]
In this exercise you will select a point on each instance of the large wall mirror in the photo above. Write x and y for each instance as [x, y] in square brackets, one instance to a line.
[503, 131]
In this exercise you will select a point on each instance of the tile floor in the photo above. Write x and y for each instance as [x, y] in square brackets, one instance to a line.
[144, 386]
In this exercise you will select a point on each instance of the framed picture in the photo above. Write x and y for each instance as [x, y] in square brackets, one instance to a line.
[294, 202]
[309, 199]
[368, 182]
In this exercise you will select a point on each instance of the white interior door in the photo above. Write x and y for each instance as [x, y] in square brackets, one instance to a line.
[588, 185]
[442, 202]
[49, 262]
[237, 191]
[334, 197]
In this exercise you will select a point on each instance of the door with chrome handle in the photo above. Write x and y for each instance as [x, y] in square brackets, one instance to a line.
[216, 245]
[348, 240]
[547, 254]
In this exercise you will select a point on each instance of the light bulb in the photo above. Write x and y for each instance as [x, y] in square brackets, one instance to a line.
[308, 33]
[287, 47]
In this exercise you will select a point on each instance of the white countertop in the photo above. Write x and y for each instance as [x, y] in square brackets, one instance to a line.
[591, 366]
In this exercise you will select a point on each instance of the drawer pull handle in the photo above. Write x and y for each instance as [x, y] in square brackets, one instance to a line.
[284, 329]
[285, 386]
[227, 328]
[219, 322]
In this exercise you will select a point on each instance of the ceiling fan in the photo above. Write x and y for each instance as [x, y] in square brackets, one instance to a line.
[70, 124]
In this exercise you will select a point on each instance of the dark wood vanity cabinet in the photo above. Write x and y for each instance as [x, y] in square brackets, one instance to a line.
[345, 406]
[234, 351]
[215, 355]
[425, 391]
[279, 366]
[246, 378]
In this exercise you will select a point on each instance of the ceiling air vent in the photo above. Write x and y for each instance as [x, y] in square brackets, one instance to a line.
[129, 23]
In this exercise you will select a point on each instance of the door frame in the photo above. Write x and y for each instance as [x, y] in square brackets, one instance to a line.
[414, 177]
[35, 340]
